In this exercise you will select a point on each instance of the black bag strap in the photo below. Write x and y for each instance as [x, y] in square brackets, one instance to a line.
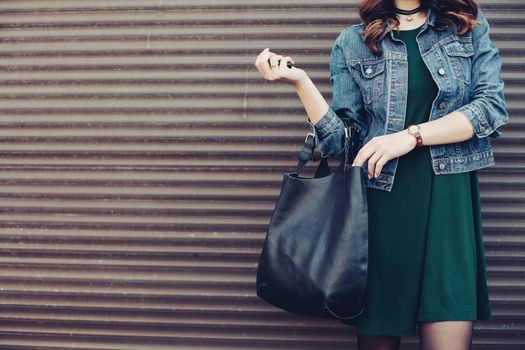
[349, 140]
[307, 153]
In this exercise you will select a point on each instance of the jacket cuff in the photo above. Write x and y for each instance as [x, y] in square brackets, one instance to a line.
[326, 136]
[481, 127]
[325, 125]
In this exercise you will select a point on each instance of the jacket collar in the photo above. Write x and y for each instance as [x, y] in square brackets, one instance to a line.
[431, 17]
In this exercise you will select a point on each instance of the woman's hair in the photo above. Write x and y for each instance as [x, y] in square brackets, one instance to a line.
[459, 15]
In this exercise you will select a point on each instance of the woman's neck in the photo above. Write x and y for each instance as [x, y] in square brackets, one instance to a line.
[417, 19]
[407, 4]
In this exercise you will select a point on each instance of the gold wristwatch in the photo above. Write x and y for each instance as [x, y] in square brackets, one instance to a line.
[414, 131]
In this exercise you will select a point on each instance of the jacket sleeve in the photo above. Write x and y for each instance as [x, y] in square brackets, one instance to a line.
[347, 102]
[486, 109]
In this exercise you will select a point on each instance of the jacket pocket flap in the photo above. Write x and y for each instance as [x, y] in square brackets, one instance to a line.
[459, 48]
[369, 69]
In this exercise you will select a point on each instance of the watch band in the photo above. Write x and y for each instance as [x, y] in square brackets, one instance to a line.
[413, 130]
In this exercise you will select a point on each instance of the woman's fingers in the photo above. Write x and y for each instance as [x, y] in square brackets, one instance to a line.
[268, 64]
[380, 163]
[372, 167]
[284, 63]
[374, 154]
[262, 62]
[275, 67]
[379, 150]
[376, 163]
[364, 153]
[263, 56]
[274, 62]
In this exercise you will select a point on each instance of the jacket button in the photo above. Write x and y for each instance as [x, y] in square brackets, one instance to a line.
[442, 105]
[368, 70]
[441, 166]
[481, 128]
[441, 71]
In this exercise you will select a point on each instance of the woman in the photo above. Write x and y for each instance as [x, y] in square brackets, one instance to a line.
[420, 79]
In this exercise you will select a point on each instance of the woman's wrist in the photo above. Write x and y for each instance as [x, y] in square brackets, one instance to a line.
[302, 82]
[313, 102]
[411, 139]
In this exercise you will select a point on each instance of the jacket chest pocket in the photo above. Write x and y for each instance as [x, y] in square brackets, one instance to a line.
[459, 54]
[370, 76]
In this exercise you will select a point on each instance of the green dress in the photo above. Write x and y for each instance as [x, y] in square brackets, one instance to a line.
[426, 259]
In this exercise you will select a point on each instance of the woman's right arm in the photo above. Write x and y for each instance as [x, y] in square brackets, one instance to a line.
[325, 120]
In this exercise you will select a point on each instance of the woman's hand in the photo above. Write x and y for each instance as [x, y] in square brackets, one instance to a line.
[313, 102]
[278, 71]
[381, 149]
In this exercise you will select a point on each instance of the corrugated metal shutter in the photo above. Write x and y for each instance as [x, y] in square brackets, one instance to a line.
[140, 158]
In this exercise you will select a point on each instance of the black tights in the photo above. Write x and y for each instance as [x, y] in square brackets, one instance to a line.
[445, 335]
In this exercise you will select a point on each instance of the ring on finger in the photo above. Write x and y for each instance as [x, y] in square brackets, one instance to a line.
[272, 65]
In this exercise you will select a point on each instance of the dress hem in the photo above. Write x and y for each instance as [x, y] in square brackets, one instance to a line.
[429, 316]
[448, 315]
[387, 332]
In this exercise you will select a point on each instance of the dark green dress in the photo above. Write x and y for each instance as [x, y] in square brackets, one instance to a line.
[426, 259]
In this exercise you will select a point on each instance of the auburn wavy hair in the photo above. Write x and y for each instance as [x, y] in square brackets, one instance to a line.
[459, 15]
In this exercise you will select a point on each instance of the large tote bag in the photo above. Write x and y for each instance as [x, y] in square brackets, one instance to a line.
[314, 258]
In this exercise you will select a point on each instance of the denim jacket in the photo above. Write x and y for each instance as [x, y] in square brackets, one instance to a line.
[371, 91]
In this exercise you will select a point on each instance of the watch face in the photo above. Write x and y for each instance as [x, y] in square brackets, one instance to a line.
[413, 128]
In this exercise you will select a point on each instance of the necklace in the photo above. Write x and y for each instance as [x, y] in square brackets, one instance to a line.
[409, 12]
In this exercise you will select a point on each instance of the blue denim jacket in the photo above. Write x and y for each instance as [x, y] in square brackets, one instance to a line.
[372, 92]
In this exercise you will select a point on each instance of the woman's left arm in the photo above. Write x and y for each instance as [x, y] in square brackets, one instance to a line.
[453, 127]
[487, 108]
[481, 117]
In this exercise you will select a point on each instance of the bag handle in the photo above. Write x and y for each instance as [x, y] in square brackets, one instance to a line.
[307, 153]
[349, 140]
[351, 143]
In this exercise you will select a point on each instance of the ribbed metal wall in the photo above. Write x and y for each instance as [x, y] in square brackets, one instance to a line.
[140, 157]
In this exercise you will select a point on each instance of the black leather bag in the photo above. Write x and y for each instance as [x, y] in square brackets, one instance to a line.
[314, 258]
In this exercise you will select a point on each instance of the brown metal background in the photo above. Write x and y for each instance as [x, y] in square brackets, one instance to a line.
[140, 157]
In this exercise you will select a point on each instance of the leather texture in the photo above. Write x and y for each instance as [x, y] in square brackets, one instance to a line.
[314, 258]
